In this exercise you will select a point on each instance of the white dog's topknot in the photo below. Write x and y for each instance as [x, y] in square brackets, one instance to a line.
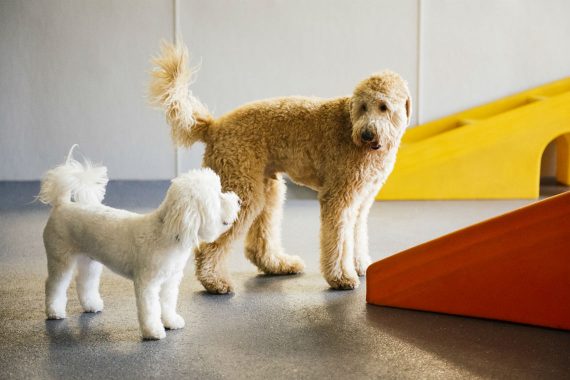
[74, 181]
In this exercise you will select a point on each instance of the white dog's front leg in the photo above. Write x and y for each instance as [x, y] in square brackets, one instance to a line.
[168, 300]
[148, 307]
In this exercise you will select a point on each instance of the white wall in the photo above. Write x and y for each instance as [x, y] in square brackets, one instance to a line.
[476, 51]
[76, 71]
[255, 49]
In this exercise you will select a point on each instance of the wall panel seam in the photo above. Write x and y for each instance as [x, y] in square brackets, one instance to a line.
[419, 62]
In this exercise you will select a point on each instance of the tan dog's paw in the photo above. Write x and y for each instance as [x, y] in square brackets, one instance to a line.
[344, 282]
[217, 285]
[293, 265]
[286, 265]
[361, 265]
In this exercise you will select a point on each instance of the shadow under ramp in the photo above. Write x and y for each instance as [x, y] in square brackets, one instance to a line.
[484, 348]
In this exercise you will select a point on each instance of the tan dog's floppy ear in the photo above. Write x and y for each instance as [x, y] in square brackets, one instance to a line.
[409, 109]
[351, 108]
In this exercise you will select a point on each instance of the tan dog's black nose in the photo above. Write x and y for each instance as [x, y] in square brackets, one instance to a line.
[367, 136]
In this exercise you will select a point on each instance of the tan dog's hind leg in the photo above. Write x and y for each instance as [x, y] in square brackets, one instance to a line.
[211, 258]
[210, 264]
[338, 218]
[263, 244]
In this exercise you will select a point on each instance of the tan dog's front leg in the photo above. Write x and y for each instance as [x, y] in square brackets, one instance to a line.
[361, 256]
[337, 244]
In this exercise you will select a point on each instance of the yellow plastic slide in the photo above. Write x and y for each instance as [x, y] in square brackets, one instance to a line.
[488, 152]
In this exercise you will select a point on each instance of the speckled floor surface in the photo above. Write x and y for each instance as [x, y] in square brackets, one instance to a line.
[272, 327]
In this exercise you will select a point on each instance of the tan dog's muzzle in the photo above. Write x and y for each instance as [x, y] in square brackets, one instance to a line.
[370, 138]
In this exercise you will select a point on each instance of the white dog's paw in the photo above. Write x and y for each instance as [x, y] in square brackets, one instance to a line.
[344, 282]
[55, 313]
[92, 305]
[155, 332]
[174, 322]
[361, 264]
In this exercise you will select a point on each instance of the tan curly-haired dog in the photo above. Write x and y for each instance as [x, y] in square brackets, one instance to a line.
[344, 148]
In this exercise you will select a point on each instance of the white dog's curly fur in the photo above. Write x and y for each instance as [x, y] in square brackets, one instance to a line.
[151, 249]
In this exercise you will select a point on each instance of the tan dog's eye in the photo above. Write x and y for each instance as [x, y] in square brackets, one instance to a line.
[363, 108]
[383, 107]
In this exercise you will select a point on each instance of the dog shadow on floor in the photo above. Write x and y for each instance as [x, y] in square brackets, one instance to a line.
[482, 347]
[204, 294]
[60, 332]
[248, 283]
[84, 347]
[268, 283]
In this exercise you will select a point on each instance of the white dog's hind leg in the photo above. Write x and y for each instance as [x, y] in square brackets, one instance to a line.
[60, 273]
[88, 275]
[168, 301]
[148, 308]
[263, 243]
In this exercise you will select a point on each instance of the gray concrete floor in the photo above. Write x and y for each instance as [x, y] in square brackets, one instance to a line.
[272, 327]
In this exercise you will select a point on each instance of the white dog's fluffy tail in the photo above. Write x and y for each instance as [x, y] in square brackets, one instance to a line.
[74, 181]
[169, 88]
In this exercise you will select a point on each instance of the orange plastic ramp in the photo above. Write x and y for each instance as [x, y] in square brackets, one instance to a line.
[514, 267]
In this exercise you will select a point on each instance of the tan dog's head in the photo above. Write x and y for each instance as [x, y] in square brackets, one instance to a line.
[380, 111]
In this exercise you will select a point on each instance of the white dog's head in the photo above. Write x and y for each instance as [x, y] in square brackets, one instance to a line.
[196, 209]
[380, 111]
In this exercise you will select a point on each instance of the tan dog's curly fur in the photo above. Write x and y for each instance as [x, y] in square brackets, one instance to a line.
[344, 148]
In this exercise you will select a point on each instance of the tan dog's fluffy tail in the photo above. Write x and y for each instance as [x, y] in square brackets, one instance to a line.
[169, 88]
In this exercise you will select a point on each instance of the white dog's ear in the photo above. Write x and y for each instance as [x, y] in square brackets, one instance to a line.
[193, 206]
[181, 221]
[409, 109]
[211, 219]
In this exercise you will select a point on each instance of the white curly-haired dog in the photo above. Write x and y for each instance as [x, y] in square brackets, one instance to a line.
[151, 249]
